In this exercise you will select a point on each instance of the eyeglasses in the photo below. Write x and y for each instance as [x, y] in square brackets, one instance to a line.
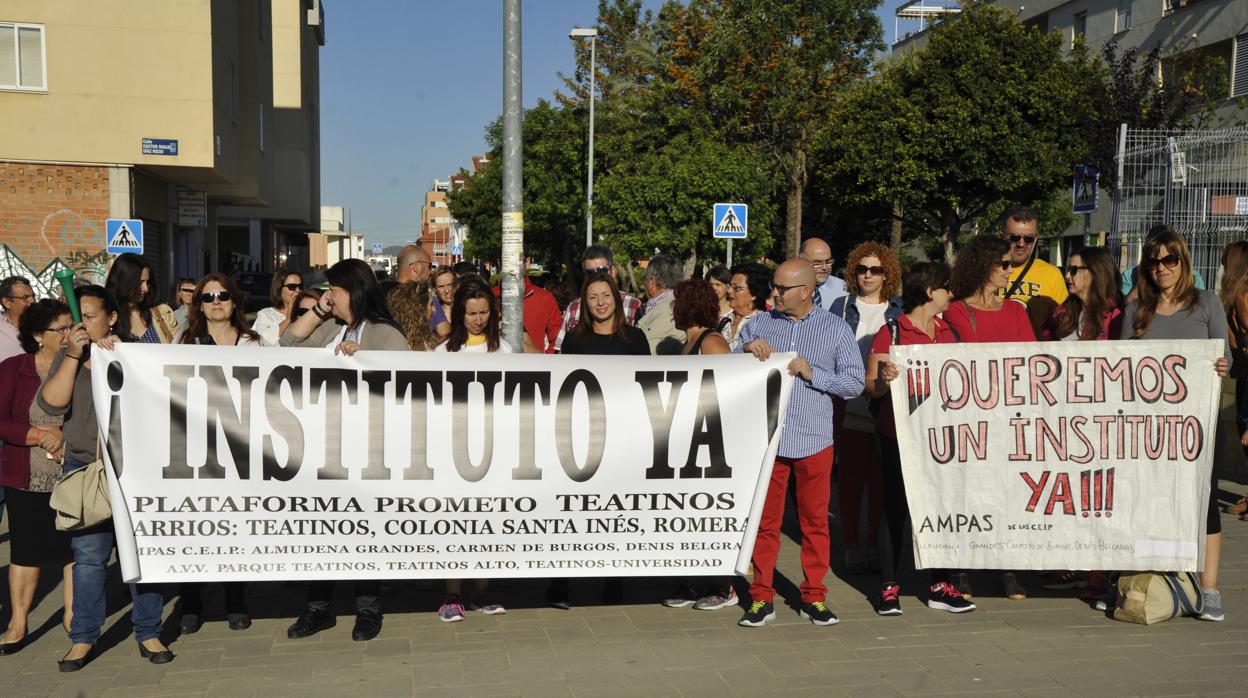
[28, 298]
[597, 270]
[292, 287]
[820, 262]
[1005, 265]
[188, 289]
[60, 330]
[740, 289]
[1025, 239]
[1170, 261]
[1073, 269]
[784, 289]
[862, 269]
[210, 296]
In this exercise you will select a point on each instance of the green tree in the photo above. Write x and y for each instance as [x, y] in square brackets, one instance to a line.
[988, 111]
[554, 190]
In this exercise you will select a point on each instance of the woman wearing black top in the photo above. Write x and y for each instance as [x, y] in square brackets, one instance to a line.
[602, 328]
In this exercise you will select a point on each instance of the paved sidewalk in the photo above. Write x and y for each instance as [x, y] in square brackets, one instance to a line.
[1050, 644]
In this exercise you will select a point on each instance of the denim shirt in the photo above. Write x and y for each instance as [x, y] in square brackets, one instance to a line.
[846, 308]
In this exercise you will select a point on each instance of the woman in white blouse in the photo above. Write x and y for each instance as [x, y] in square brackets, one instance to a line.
[272, 322]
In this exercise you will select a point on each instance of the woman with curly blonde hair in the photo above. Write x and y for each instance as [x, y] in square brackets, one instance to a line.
[409, 305]
[872, 280]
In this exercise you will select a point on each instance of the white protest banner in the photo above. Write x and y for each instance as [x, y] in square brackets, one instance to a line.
[235, 463]
[1064, 455]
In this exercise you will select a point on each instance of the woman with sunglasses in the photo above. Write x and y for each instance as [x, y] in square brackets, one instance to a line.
[924, 296]
[872, 279]
[361, 322]
[1092, 311]
[272, 321]
[1169, 306]
[216, 319]
[980, 314]
[30, 465]
[182, 301]
[67, 393]
[130, 281]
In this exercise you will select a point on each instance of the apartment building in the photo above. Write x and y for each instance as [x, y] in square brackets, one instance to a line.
[198, 117]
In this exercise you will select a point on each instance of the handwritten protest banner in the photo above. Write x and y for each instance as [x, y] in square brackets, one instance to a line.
[1065, 455]
[233, 463]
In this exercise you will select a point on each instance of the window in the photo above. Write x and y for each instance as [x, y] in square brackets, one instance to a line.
[1239, 80]
[1122, 21]
[1080, 29]
[1204, 72]
[22, 57]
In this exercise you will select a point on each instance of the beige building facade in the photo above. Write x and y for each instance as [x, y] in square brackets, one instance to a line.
[199, 117]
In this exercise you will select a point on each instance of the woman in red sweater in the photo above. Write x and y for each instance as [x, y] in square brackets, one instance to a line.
[30, 463]
[980, 314]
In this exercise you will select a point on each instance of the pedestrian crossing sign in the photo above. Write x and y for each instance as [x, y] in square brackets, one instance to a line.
[730, 221]
[124, 235]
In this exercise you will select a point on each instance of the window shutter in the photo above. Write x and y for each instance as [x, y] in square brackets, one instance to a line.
[30, 44]
[1240, 86]
[8, 56]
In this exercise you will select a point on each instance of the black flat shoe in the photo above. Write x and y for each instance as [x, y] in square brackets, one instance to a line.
[161, 657]
[367, 626]
[191, 623]
[66, 666]
[238, 621]
[311, 622]
[13, 647]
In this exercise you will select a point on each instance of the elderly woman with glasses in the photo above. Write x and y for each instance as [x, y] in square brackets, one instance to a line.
[30, 465]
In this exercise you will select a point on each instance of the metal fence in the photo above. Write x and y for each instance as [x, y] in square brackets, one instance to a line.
[1194, 181]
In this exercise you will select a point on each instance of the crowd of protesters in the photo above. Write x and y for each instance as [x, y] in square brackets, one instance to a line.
[839, 422]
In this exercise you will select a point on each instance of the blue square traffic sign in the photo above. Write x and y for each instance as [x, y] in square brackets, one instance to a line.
[730, 221]
[123, 235]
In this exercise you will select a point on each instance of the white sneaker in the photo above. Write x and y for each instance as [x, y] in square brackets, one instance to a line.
[1213, 605]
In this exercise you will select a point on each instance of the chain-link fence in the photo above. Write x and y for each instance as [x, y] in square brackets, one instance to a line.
[1194, 181]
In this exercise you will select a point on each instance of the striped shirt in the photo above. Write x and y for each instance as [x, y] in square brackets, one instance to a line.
[828, 346]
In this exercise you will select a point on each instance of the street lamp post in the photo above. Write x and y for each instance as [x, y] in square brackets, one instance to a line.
[578, 33]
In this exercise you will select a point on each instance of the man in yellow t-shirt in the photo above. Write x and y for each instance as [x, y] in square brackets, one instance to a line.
[1033, 281]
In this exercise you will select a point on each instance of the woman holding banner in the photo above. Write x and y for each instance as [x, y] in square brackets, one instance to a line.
[130, 282]
[474, 328]
[872, 279]
[361, 322]
[67, 392]
[981, 314]
[1169, 306]
[924, 296]
[1091, 312]
[30, 466]
[216, 319]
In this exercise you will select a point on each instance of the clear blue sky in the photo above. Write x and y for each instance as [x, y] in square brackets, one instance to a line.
[407, 88]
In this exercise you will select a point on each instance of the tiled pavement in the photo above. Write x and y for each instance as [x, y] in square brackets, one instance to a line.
[1048, 645]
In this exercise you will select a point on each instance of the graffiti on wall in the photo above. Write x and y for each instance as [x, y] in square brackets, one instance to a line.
[90, 267]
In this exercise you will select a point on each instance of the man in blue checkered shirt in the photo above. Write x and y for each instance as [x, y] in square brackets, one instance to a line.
[828, 364]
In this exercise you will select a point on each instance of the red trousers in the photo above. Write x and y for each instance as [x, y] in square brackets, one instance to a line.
[813, 474]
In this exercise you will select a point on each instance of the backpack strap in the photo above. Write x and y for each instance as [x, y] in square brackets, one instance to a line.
[1018, 283]
[971, 314]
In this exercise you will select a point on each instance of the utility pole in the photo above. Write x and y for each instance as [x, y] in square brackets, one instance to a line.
[513, 180]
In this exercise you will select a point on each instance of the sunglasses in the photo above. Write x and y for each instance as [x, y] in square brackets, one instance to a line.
[210, 296]
[292, 287]
[1026, 239]
[1074, 269]
[1006, 265]
[1170, 261]
[597, 270]
[862, 269]
[188, 289]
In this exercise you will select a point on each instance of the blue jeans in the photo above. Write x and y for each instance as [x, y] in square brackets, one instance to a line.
[92, 550]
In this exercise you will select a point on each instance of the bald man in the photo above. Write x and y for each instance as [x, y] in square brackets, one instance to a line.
[414, 264]
[827, 364]
[827, 287]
